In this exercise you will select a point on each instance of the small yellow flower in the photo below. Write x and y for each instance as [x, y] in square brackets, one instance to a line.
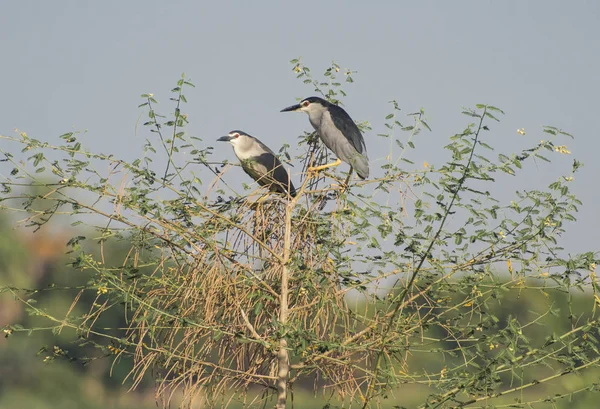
[592, 266]
[492, 346]
[569, 178]
[562, 149]
[521, 131]
[102, 290]
[114, 350]
[425, 165]
[509, 264]
[501, 234]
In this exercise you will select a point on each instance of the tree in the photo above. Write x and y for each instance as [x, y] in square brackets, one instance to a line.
[396, 281]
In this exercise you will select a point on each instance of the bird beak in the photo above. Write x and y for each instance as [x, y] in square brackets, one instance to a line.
[225, 138]
[291, 108]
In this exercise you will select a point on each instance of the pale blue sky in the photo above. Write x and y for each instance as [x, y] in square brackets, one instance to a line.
[83, 64]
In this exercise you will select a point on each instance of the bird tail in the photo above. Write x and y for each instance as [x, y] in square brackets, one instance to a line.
[361, 165]
[292, 190]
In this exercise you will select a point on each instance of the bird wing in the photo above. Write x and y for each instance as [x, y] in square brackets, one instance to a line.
[282, 177]
[267, 170]
[348, 128]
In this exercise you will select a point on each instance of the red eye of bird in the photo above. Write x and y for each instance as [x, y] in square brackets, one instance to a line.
[237, 135]
[305, 103]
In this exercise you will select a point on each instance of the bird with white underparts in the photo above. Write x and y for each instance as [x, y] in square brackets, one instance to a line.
[260, 163]
[337, 131]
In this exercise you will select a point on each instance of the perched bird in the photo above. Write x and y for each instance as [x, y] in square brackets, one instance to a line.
[337, 131]
[260, 162]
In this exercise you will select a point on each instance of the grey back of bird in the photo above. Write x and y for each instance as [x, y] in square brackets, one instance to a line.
[341, 135]
[261, 164]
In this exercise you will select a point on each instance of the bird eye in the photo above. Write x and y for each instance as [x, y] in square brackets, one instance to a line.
[305, 103]
[236, 135]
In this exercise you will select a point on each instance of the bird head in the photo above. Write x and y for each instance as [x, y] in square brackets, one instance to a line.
[242, 143]
[308, 105]
[236, 138]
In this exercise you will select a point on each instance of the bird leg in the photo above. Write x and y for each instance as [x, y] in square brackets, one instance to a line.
[259, 202]
[345, 184]
[329, 165]
[347, 181]
[262, 199]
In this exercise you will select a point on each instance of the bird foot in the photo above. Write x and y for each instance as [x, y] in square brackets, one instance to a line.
[339, 188]
[260, 202]
[343, 186]
[346, 183]
[262, 199]
[312, 172]
[317, 169]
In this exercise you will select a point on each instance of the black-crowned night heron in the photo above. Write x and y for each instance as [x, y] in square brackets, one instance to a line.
[337, 131]
[260, 162]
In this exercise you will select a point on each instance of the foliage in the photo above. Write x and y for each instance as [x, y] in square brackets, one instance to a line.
[364, 290]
